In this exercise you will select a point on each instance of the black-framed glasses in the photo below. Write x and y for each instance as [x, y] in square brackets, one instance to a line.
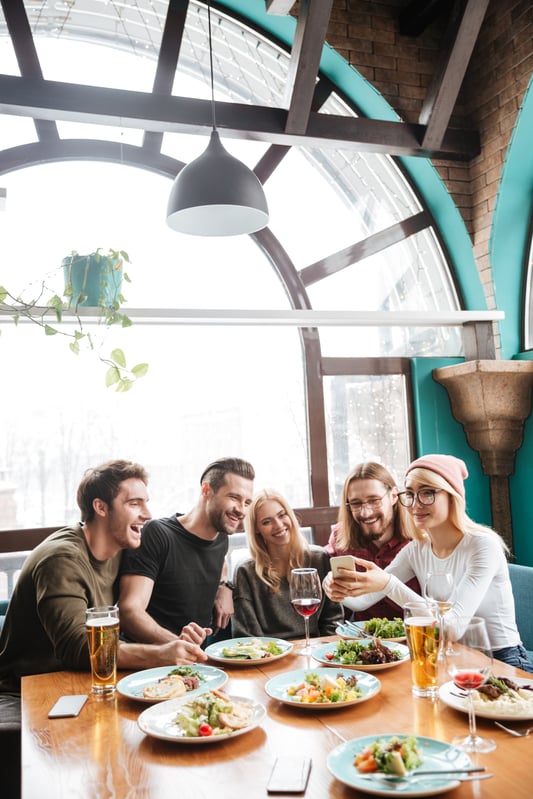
[426, 496]
[373, 503]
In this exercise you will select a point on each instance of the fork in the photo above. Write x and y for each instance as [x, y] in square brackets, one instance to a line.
[361, 633]
[518, 733]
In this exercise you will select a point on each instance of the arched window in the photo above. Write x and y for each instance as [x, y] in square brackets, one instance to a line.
[348, 232]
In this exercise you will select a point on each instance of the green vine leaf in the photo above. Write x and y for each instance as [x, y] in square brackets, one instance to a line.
[119, 358]
[140, 370]
[112, 376]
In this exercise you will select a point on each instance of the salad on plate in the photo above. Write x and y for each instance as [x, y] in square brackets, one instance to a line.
[248, 649]
[362, 653]
[213, 713]
[396, 755]
[317, 689]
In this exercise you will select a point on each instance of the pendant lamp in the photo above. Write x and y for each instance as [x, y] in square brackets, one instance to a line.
[216, 194]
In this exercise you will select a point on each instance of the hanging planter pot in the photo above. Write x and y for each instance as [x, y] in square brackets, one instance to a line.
[93, 280]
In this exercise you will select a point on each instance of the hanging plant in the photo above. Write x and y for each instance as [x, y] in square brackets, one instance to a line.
[94, 281]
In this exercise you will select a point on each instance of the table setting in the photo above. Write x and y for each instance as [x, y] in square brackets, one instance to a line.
[258, 700]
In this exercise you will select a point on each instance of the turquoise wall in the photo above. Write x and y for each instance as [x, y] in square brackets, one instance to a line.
[438, 431]
[509, 242]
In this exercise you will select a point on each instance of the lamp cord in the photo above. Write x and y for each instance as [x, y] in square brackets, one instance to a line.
[213, 115]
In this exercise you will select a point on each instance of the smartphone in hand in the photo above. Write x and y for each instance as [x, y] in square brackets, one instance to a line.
[342, 561]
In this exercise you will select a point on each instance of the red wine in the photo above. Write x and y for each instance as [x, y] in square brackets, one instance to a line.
[468, 680]
[306, 607]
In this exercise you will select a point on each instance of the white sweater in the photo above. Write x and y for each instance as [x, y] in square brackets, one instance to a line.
[482, 584]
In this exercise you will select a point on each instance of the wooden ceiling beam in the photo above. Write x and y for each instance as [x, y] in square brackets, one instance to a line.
[304, 64]
[279, 7]
[444, 89]
[167, 61]
[19, 30]
[52, 100]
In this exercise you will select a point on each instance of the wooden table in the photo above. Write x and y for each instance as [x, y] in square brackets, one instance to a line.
[103, 754]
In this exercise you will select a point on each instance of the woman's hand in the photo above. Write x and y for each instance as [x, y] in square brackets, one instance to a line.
[350, 583]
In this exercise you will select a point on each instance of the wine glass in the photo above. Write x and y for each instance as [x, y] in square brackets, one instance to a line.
[469, 664]
[306, 596]
[439, 588]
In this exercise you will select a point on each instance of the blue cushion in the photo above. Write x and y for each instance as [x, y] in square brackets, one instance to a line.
[522, 582]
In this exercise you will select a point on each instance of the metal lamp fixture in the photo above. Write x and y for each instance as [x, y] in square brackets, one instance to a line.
[216, 194]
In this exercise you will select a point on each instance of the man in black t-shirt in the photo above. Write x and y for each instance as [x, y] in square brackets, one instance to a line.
[174, 585]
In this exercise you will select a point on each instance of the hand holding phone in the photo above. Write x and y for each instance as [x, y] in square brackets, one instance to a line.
[342, 561]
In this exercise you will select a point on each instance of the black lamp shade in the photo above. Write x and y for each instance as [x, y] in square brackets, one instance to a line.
[217, 195]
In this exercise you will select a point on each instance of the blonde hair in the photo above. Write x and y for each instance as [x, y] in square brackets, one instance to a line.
[458, 516]
[298, 547]
[349, 535]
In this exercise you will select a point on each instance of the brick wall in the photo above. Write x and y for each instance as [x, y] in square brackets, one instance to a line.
[401, 67]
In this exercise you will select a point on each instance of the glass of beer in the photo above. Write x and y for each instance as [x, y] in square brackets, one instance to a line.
[102, 635]
[423, 636]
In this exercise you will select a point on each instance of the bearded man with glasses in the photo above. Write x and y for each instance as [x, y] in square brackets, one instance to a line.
[370, 527]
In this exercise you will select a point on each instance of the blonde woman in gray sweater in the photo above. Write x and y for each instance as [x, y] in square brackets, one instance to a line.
[261, 595]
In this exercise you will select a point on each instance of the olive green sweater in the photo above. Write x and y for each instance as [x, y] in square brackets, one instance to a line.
[44, 629]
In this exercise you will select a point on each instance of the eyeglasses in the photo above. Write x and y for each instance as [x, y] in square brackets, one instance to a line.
[356, 505]
[425, 497]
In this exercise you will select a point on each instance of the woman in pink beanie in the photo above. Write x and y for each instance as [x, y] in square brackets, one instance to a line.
[445, 539]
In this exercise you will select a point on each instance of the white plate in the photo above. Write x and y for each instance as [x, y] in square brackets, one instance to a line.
[320, 652]
[278, 687]
[158, 721]
[448, 691]
[436, 754]
[214, 651]
[132, 686]
[349, 633]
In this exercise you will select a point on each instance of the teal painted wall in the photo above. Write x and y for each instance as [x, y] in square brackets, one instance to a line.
[509, 242]
[438, 431]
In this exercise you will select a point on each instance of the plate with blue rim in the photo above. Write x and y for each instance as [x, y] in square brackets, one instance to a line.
[437, 755]
[133, 685]
[280, 687]
[248, 650]
[326, 653]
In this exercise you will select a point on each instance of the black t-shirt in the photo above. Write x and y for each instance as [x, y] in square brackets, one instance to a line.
[185, 569]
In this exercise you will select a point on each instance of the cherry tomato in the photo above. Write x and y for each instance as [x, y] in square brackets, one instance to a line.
[204, 730]
[330, 655]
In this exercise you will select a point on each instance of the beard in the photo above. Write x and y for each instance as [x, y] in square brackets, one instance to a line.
[219, 522]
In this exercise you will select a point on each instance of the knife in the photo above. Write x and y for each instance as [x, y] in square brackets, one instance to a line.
[423, 772]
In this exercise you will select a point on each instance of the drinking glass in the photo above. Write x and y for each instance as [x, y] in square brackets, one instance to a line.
[306, 596]
[102, 624]
[439, 588]
[469, 664]
[423, 638]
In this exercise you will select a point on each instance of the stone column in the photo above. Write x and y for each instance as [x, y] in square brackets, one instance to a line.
[492, 399]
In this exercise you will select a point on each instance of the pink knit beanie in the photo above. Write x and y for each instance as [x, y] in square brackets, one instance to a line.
[452, 469]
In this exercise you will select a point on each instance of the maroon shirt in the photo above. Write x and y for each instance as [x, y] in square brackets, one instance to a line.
[381, 556]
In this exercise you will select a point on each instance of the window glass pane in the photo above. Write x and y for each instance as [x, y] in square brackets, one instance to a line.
[209, 392]
[366, 420]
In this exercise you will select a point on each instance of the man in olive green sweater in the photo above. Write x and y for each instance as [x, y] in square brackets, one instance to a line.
[75, 568]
